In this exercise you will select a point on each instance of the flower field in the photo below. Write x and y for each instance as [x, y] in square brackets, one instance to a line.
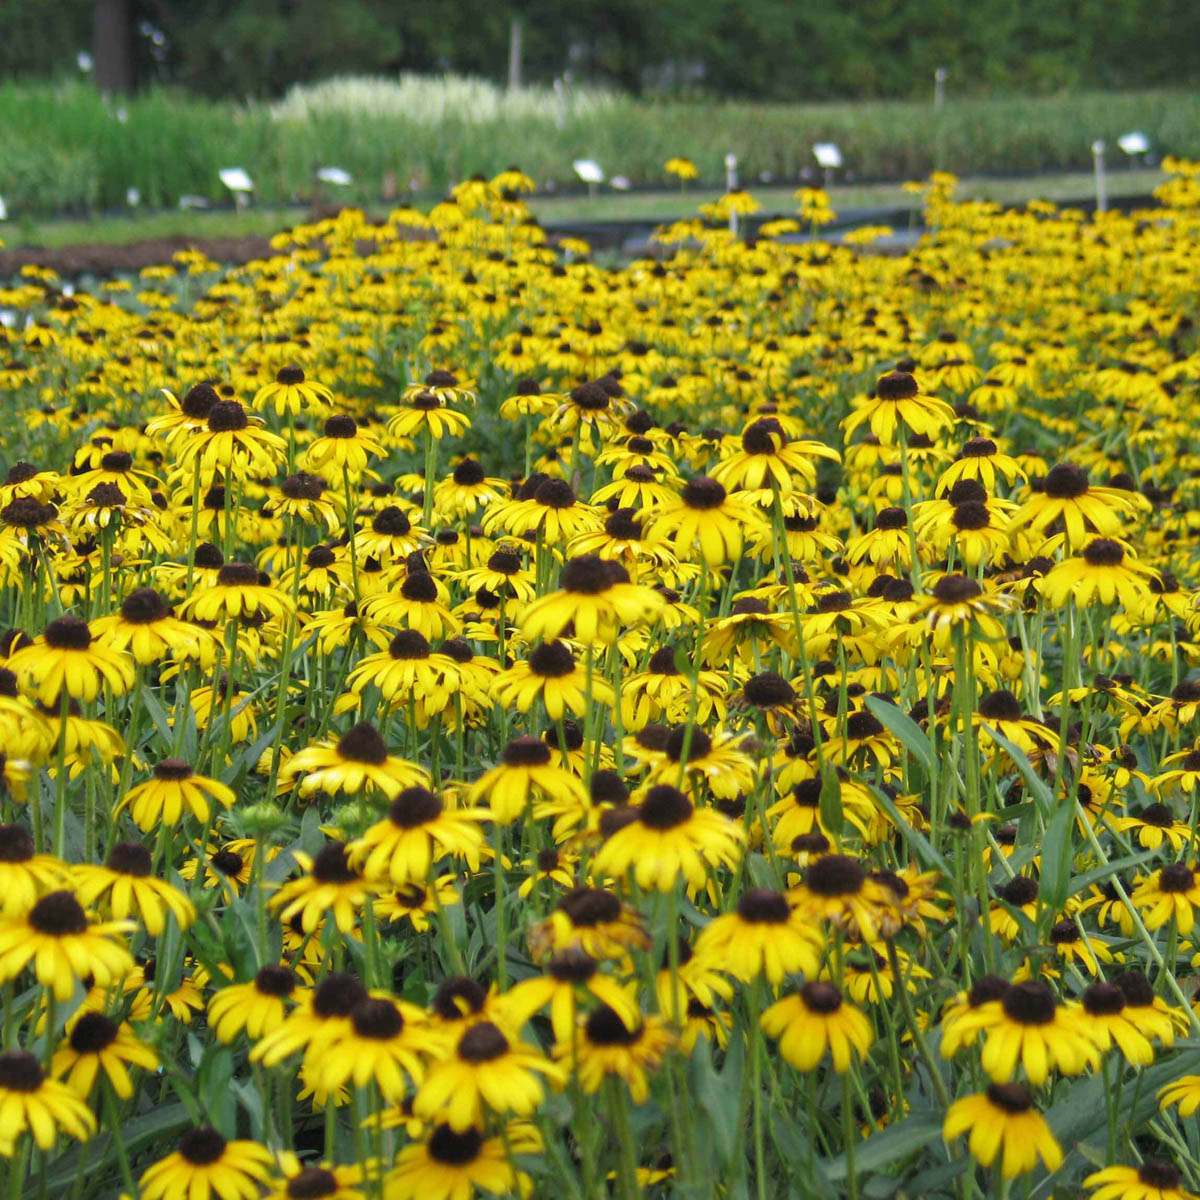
[476, 721]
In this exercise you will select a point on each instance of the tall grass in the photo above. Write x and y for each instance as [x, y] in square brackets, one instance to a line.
[64, 149]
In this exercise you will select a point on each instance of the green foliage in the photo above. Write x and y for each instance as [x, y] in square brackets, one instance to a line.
[88, 152]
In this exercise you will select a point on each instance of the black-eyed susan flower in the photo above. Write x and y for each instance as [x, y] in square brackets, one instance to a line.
[256, 1008]
[595, 599]
[816, 1019]
[329, 884]
[836, 888]
[383, 1043]
[592, 920]
[174, 790]
[552, 675]
[487, 1070]
[668, 838]
[1028, 1028]
[1171, 893]
[358, 761]
[418, 829]
[25, 874]
[526, 769]
[32, 1102]
[1103, 573]
[344, 446]
[607, 1047]
[319, 1015]
[896, 401]
[238, 593]
[570, 976]
[62, 945]
[66, 660]
[126, 886]
[707, 518]
[207, 1166]
[1154, 1179]
[96, 1044]
[317, 1181]
[1067, 494]
[292, 394]
[1002, 1123]
[449, 1165]
[232, 443]
[764, 935]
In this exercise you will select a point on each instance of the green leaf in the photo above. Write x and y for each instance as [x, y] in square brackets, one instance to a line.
[1057, 853]
[921, 846]
[830, 802]
[903, 727]
[890, 1146]
[1108, 870]
[1034, 782]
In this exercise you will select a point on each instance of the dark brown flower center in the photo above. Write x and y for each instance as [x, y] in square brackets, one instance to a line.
[605, 1028]
[364, 744]
[302, 486]
[331, 865]
[1029, 1002]
[896, 385]
[144, 606]
[201, 1146]
[337, 995]
[703, 493]
[275, 980]
[58, 914]
[664, 807]
[1018, 891]
[16, 844]
[68, 633]
[552, 660]
[20, 1071]
[377, 1018]
[226, 416]
[1103, 552]
[1103, 1000]
[482, 1043]
[1000, 705]
[458, 995]
[391, 521]
[956, 589]
[768, 689]
[554, 493]
[92, 1033]
[835, 875]
[1155, 1173]
[820, 997]
[414, 806]
[526, 752]
[312, 1183]
[130, 858]
[587, 907]
[341, 427]
[409, 644]
[762, 906]
[455, 1149]
[1177, 877]
[174, 769]
[1012, 1098]
[588, 575]
[1065, 482]
[289, 375]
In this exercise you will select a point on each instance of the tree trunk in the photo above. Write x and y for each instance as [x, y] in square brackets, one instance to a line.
[112, 46]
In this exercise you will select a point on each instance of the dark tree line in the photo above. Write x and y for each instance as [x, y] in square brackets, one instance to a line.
[766, 49]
